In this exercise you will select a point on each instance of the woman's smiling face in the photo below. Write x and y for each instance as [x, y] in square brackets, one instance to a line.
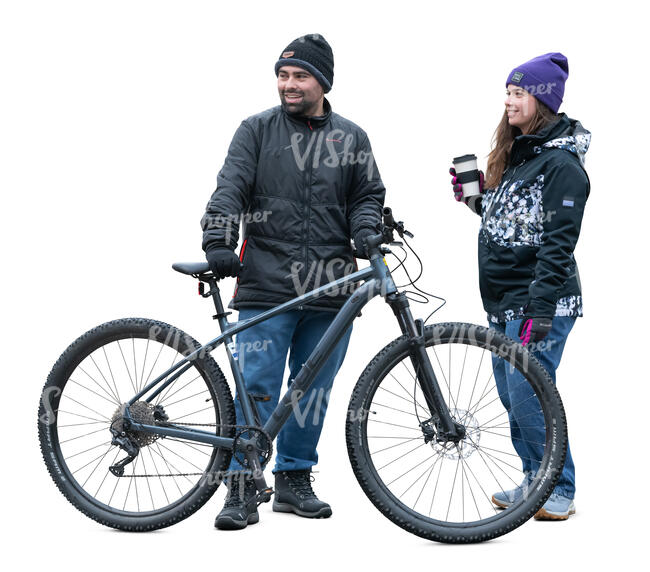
[520, 106]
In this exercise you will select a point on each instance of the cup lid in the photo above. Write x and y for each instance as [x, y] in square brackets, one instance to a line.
[464, 158]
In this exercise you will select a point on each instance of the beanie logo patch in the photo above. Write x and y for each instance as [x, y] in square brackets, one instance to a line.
[287, 54]
[516, 77]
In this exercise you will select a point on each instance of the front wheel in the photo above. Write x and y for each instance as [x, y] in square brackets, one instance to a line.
[514, 445]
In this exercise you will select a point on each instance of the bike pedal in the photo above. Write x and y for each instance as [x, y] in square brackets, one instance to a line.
[264, 496]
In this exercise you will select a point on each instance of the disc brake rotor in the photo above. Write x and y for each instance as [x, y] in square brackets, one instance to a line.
[468, 444]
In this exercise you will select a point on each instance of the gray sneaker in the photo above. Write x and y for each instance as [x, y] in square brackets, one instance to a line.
[557, 507]
[505, 499]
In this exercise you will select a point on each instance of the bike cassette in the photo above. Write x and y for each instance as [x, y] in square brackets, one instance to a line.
[262, 440]
[139, 412]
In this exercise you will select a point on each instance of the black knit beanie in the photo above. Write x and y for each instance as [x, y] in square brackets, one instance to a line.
[312, 53]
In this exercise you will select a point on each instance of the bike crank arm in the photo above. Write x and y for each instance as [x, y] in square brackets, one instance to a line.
[251, 451]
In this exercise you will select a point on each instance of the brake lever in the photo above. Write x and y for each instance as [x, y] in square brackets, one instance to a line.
[399, 227]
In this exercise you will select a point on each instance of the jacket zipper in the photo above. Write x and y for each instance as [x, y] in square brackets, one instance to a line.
[241, 259]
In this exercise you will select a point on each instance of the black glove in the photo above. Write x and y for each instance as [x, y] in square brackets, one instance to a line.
[360, 242]
[223, 262]
[474, 203]
[534, 329]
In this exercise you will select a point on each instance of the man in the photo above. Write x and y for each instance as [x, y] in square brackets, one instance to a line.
[303, 180]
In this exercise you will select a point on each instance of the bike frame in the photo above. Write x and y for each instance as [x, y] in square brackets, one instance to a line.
[376, 280]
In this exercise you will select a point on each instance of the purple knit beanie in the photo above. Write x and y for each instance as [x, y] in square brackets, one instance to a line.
[543, 77]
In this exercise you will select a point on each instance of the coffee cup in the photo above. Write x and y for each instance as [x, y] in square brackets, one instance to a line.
[467, 175]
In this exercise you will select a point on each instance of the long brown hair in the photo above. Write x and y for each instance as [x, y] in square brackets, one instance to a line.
[504, 137]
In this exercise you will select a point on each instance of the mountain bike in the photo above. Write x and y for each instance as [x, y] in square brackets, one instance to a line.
[137, 422]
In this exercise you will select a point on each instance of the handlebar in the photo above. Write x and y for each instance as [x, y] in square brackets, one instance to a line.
[389, 225]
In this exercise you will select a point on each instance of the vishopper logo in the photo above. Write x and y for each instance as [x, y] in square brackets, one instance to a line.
[49, 393]
[316, 402]
[242, 350]
[236, 478]
[339, 147]
[535, 90]
[230, 223]
[303, 39]
[511, 353]
[321, 273]
[541, 346]
[176, 339]
[540, 88]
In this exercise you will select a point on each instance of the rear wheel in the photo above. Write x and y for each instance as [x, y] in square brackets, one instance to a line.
[83, 398]
[444, 491]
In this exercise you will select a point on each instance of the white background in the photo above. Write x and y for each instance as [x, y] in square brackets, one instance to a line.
[115, 120]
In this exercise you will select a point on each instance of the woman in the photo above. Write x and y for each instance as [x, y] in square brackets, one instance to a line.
[531, 207]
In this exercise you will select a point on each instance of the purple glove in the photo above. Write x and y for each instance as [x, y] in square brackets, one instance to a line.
[458, 188]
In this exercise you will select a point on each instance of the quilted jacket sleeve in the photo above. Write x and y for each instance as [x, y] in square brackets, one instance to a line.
[367, 193]
[566, 188]
[235, 182]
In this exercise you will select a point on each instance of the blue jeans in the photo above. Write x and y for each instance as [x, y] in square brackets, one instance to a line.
[263, 352]
[526, 419]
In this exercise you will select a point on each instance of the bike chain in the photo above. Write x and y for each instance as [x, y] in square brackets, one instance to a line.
[243, 427]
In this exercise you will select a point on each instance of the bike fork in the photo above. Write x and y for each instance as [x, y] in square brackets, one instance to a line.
[446, 429]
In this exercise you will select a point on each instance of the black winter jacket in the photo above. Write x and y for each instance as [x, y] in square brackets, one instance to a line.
[302, 188]
[530, 225]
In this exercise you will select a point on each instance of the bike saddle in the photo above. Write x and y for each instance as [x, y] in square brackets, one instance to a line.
[191, 268]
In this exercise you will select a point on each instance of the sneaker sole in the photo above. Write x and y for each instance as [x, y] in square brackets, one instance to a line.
[324, 512]
[228, 523]
[542, 514]
[501, 504]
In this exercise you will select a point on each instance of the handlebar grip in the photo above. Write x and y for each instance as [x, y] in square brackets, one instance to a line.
[388, 217]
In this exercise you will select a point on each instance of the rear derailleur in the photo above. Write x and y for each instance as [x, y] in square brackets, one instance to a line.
[133, 441]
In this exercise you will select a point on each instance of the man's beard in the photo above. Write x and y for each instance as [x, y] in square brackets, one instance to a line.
[303, 107]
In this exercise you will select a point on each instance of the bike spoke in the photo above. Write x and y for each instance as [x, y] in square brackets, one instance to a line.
[394, 409]
[162, 484]
[146, 350]
[401, 456]
[110, 371]
[459, 489]
[396, 445]
[128, 371]
[111, 395]
[413, 398]
[410, 401]
[103, 429]
[162, 401]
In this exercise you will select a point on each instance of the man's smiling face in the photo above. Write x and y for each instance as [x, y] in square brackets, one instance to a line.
[300, 92]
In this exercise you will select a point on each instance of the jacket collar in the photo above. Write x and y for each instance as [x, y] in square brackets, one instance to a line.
[313, 121]
[524, 146]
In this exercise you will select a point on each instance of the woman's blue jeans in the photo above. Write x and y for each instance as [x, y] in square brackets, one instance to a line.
[263, 350]
[526, 416]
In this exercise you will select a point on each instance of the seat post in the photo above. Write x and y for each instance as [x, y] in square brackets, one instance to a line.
[220, 316]
[248, 405]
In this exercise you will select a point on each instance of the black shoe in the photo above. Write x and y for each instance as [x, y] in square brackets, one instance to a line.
[237, 512]
[293, 493]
